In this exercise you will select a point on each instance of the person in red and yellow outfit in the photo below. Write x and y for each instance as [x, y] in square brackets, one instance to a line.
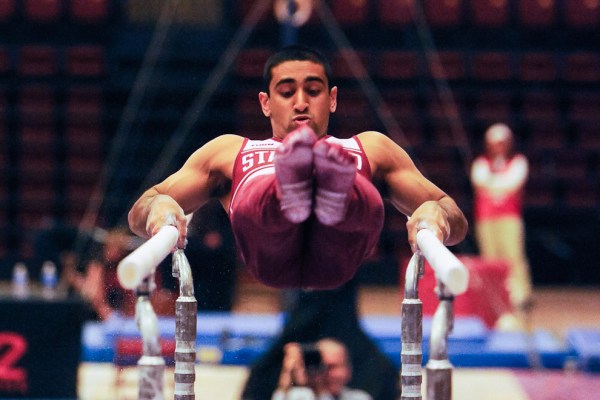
[498, 178]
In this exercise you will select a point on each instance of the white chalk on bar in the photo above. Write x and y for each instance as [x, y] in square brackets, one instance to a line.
[142, 261]
[448, 269]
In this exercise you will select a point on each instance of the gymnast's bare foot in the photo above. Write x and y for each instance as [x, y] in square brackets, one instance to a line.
[335, 171]
[293, 172]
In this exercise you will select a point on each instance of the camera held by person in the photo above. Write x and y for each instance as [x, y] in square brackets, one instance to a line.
[317, 371]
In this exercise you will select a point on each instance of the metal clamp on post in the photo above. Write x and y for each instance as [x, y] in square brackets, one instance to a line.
[151, 365]
[185, 329]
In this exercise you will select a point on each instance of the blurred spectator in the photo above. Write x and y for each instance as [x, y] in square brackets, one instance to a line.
[322, 314]
[99, 284]
[498, 178]
[326, 379]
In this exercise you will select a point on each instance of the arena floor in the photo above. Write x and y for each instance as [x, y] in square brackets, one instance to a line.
[557, 309]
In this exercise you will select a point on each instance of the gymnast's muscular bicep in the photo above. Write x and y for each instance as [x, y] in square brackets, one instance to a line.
[206, 170]
[408, 188]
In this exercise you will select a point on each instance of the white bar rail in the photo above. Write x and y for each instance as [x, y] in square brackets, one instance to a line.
[143, 261]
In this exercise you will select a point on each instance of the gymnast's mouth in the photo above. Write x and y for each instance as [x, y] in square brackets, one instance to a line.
[302, 119]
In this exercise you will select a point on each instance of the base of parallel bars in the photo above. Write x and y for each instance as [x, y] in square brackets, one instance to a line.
[439, 380]
[151, 378]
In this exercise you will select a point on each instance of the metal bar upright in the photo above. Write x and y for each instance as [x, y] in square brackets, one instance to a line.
[185, 329]
[412, 332]
[439, 369]
[151, 366]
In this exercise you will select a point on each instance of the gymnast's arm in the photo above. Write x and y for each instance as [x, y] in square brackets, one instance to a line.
[168, 202]
[426, 205]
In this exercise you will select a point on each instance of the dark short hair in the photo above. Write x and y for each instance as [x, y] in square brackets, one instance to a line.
[295, 53]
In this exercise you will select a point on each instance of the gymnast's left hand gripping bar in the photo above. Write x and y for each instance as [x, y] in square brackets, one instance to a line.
[142, 262]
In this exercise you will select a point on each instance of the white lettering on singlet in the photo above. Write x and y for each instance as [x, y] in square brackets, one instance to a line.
[256, 158]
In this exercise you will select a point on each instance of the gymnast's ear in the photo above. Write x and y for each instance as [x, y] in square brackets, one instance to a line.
[263, 98]
[333, 99]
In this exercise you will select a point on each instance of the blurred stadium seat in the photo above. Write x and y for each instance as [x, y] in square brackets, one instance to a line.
[582, 14]
[350, 12]
[43, 11]
[537, 66]
[537, 13]
[492, 66]
[89, 11]
[395, 13]
[490, 13]
[7, 10]
[398, 65]
[443, 14]
[582, 67]
[38, 60]
[85, 61]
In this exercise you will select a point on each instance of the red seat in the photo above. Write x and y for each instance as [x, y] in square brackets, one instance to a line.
[36, 138]
[37, 196]
[7, 10]
[83, 167]
[447, 108]
[36, 167]
[570, 164]
[449, 65]
[84, 105]
[490, 13]
[581, 193]
[539, 191]
[89, 11]
[78, 194]
[38, 61]
[403, 103]
[396, 13]
[587, 136]
[86, 61]
[31, 220]
[582, 67]
[540, 105]
[538, 67]
[37, 103]
[243, 8]
[546, 135]
[84, 139]
[583, 106]
[400, 65]
[250, 62]
[443, 13]
[43, 11]
[350, 12]
[492, 66]
[342, 69]
[582, 14]
[493, 106]
[5, 63]
[537, 13]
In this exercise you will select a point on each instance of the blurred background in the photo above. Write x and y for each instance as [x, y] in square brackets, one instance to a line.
[100, 99]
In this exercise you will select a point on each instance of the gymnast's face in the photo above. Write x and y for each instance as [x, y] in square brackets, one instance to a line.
[298, 95]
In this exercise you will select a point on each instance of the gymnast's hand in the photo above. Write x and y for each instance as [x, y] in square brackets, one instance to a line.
[429, 215]
[164, 211]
